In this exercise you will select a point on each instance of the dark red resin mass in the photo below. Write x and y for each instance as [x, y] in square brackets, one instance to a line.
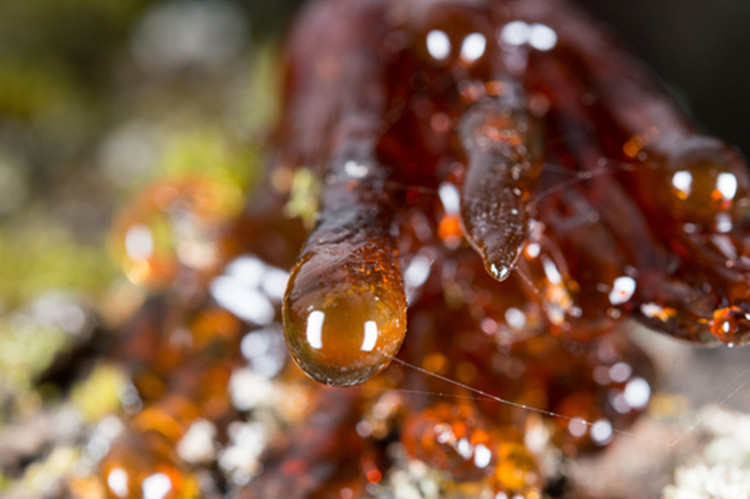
[503, 186]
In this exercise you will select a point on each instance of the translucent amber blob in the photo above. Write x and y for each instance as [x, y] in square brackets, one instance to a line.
[344, 315]
[173, 224]
[726, 323]
[453, 438]
[708, 183]
[516, 471]
[143, 465]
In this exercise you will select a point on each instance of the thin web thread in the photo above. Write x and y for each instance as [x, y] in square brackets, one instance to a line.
[607, 166]
[518, 405]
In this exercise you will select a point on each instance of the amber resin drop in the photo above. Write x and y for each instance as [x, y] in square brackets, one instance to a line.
[344, 317]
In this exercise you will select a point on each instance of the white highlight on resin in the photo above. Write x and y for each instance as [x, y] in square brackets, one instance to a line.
[247, 270]
[726, 183]
[499, 272]
[473, 47]
[118, 481]
[577, 427]
[249, 287]
[139, 242]
[622, 290]
[532, 250]
[450, 197]
[637, 393]
[682, 181]
[515, 33]
[539, 36]
[482, 456]
[356, 170]
[156, 486]
[246, 303]
[438, 44]
[542, 37]
[315, 329]
[250, 390]
[371, 336]
[198, 444]
[463, 447]
[515, 318]
[550, 270]
[652, 310]
[417, 272]
[620, 372]
[723, 222]
[601, 431]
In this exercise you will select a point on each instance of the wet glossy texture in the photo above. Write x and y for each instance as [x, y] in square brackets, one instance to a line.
[459, 144]
[503, 145]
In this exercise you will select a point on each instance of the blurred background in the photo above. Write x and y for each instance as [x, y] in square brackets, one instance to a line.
[99, 99]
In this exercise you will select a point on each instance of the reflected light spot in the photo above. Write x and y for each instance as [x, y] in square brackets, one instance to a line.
[515, 33]
[463, 447]
[473, 47]
[139, 242]
[655, 311]
[726, 183]
[622, 290]
[315, 329]
[156, 486]
[682, 181]
[620, 404]
[482, 456]
[723, 222]
[577, 427]
[245, 303]
[620, 372]
[550, 270]
[449, 197]
[364, 429]
[197, 446]
[515, 318]
[256, 343]
[637, 393]
[601, 432]
[371, 336]
[417, 272]
[532, 250]
[356, 170]
[118, 481]
[274, 282]
[247, 270]
[438, 44]
[542, 37]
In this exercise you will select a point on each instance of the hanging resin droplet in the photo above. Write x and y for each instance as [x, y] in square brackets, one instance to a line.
[344, 315]
[504, 147]
[345, 306]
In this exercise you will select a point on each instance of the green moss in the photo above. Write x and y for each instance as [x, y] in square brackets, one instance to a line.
[38, 255]
[26, 349]
[98, 394]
